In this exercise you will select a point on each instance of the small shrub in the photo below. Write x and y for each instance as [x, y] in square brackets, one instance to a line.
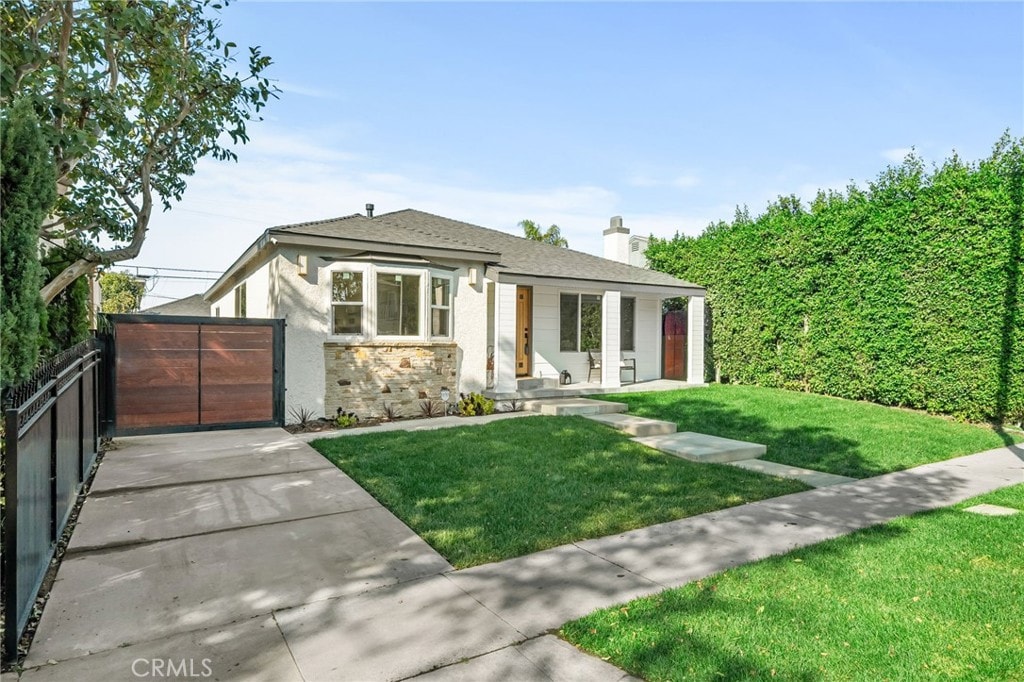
[431, 408]
[474, 405]
[388, 412]
[345, 419]
[514, 405]
[302, 415]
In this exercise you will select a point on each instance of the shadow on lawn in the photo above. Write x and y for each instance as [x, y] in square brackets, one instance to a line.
[814, 447]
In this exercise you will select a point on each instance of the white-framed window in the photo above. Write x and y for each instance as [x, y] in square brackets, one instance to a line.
[627, 323]
[440, 297]
[240, 300]
[399, 297]
[390, 302]
[579, 322]
[348, 301]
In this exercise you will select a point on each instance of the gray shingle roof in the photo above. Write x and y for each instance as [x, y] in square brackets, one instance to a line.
[514, 255]
[192, 306]
[381, 230]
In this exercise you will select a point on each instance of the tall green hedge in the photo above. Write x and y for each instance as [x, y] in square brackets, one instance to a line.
[907, 293]
[27, 192]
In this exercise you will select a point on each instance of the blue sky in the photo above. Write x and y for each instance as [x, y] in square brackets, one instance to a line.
[668, 114]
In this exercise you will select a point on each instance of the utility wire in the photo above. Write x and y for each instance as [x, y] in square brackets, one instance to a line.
[160, 267]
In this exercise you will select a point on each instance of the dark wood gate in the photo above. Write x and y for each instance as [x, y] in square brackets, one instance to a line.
[673, 345]
[173, 374]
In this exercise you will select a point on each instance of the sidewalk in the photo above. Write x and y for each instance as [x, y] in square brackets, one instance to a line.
[324, 621]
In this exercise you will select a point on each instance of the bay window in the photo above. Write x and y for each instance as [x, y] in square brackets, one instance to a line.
[440, 306]
[347, 302]
[372, 301]
[398, 304]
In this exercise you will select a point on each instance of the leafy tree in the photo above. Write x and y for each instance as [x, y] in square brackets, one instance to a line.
[131, 95]
[553, 235]
[26, 195]
[121, 292]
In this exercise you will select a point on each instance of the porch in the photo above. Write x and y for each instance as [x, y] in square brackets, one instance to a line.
[539, 328]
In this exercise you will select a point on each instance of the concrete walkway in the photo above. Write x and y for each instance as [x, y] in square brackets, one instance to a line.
[247, 552]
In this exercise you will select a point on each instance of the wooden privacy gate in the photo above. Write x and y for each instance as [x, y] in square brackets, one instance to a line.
[170, 374]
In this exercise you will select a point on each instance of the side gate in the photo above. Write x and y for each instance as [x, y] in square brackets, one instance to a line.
[170, 374]
[673, 345]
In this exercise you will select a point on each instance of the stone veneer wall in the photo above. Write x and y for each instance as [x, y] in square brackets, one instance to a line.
[362, 377]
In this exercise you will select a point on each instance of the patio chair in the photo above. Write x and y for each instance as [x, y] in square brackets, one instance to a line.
[625, 364]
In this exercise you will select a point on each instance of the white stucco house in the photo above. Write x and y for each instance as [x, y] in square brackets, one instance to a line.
[383, 311]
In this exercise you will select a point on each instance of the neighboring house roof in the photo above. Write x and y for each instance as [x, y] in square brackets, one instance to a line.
[193, 306]
[503, 252]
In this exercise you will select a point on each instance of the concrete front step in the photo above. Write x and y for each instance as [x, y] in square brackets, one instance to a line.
[534, 383]
[700, 447]
[815, 479]
[574, 406]
[635, 426]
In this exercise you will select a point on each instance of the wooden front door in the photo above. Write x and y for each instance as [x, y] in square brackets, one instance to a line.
[524, 324]
[673, 345]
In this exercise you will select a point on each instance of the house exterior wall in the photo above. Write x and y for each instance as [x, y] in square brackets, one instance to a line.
[505, 336]
[316, 361]
[324, 372]
[470, 331]
[364, 378]
[257, 292]
[223, 306]
[257, 295]
[302, 301]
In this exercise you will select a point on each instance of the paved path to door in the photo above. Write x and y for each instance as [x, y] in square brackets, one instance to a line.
[248, 553]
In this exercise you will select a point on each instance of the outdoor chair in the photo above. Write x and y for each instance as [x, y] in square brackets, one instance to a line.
[625, 364]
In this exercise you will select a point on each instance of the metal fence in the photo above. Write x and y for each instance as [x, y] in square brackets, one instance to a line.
[51, 440]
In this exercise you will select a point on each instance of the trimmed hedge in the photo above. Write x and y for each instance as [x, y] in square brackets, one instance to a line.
[909, 293]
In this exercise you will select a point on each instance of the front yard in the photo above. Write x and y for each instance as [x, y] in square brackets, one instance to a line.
[486, 493]
[939, 595]
[839, 436]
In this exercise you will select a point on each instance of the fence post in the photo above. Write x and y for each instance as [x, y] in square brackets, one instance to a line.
[54, 419]
[10, 543]
[97, 377]
[81, 417]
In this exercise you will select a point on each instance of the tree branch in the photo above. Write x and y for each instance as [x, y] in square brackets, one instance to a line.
[89, 261]
[45, 227]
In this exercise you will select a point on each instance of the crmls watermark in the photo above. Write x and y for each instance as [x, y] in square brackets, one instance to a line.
[171, 667]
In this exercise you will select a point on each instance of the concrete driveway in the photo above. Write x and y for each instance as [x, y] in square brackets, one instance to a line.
[189, 542]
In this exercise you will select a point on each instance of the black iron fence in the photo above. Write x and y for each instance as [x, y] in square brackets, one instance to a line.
[50, 443]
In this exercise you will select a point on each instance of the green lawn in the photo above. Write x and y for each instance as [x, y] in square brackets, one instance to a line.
[839, 436]
[936, 596]
[484, 493]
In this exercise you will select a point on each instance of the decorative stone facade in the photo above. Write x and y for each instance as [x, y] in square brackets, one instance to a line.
[361, 378]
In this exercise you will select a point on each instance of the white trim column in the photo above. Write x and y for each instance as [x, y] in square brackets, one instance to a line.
[504, 337]
[611, 339]
[695, 340]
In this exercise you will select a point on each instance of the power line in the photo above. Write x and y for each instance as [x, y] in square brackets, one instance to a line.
[169, 298]
[155, 267]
